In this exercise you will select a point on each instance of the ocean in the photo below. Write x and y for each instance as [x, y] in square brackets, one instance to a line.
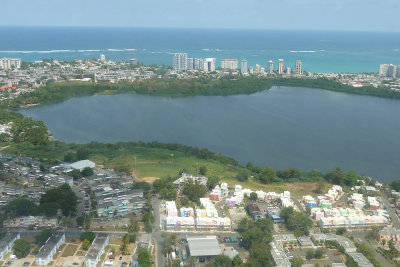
[320, 51]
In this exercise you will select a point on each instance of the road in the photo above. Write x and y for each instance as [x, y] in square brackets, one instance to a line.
[299, 206]
[156, 235]
[390, 210]
[359, 237]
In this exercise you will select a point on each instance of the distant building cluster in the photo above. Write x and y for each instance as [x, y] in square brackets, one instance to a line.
[389, 70]
[181, 62]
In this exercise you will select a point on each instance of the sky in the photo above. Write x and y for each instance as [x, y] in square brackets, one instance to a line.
[355, 15]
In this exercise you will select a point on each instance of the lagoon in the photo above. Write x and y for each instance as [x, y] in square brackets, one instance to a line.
[281, 127]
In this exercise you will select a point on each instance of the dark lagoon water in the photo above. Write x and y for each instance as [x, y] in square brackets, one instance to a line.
[282, 127]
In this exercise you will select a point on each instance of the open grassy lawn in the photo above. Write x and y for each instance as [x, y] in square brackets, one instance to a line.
[69, 250]
[153, 162]
[297, 190]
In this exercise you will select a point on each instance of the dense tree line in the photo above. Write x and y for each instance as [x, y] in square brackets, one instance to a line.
[256, 238]
[269, 175]
[295, 221]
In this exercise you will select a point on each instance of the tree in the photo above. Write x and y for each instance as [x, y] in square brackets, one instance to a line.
[203, 170]
[70, 157]
[319, 253]
[396, 184]
[194, 191]
[341, 231]
[237, 261]
[4, 137]
[259, 257]
[253, 196]
[242, 176]
[41, 238]
[144, 258]
[336, 176]
[80, 221]
[212, 182]
[86, 172]
[351, 178]
[20, 207]
[268, 175]
[86, 244]
[21, 248]
[126, 239]
[309, 254]
[146, 187]
[42, 168]
[63, 197]
[88, 236]
[221, 261]
[76, 174]
[82, 153]
[297, 262]
[296, 221]
[184, 201]
[245, 224]
[255, 236]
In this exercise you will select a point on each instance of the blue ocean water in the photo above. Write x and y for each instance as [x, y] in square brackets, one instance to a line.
[320, 51]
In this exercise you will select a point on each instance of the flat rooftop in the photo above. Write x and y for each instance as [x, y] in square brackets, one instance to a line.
[203, 246]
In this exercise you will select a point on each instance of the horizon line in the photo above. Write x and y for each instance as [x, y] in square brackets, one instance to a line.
[194, 28]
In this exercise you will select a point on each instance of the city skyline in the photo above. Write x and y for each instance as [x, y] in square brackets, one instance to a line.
[302, 15]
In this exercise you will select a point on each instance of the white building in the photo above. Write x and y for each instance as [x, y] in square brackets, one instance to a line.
[7, 243]
[229, 64]
[97, 249]
[82, 164]
[383, 70]
[298, 67]
[102, 58]
[270, 68]
[180, 61]
[280, 66]
[243, 66]
[47, 251]
[9, 63]
[198, 64]
[209, 64]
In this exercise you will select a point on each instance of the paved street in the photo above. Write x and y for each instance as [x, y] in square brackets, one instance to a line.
[390, 210]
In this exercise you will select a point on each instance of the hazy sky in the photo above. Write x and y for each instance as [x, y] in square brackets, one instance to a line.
[373, 15]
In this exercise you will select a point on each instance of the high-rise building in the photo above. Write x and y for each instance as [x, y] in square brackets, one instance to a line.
[102, 58]
[209, 64]
[251, 70]
[9, 63]
[257, 69]
[270, 68]
[280, 66]
[383, 70]
[289, 71]
[229, 64]
[298, 67]
[391, 71]
[398, 72]
[190, 63]
[133, 61]
[198, 64]
[243, 66]
[180, 61]
[262, 70]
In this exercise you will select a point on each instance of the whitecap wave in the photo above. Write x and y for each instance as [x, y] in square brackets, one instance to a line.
[88, 50]
[302, 51]
[120, 50]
